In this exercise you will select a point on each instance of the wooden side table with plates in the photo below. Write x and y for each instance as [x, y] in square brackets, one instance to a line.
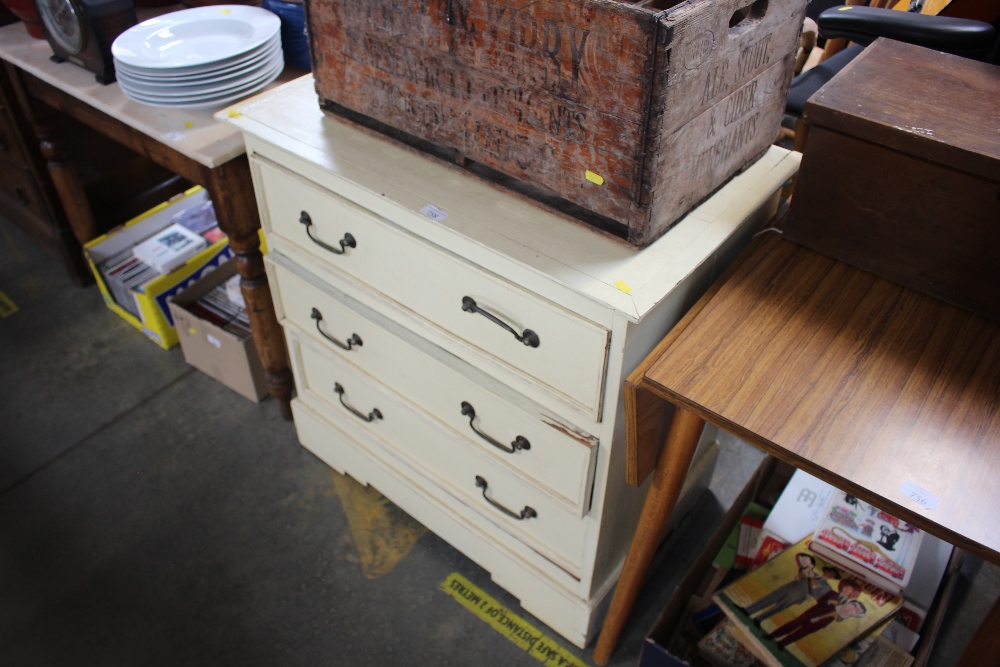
[188, 142]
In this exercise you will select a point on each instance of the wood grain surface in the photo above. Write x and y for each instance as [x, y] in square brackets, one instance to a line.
[855, 379]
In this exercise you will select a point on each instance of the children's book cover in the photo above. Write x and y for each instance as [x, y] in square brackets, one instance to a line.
[798, 610]
[874, 544]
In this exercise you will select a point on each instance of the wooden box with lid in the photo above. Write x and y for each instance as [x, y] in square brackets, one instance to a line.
[901, 173]
[624, 114]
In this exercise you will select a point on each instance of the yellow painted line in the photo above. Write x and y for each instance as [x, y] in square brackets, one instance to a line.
[383, 533]
[513, 627]
[7, 307]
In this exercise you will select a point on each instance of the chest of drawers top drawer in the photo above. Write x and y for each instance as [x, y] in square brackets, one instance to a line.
[531, 335]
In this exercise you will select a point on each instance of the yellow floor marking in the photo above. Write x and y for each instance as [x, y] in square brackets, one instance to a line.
[383, 533]
[512, 626]
[7, 307]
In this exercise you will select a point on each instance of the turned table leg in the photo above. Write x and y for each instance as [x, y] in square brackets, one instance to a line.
[236, 210]
[668, 478]
[66, 180]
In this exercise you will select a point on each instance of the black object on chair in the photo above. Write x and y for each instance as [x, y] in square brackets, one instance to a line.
[863, 25]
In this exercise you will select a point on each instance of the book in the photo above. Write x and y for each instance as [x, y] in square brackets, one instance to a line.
[169, 248]
[800, 508]
[798, 610]
[868, 541]
[722, 648]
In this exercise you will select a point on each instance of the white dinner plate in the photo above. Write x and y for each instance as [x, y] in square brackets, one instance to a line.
[197, 85]
[205, 101]
[167, 93]
[206, 70]
[196, 36]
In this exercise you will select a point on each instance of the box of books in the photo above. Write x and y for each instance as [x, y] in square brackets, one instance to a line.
[214, 332]
[139, 292]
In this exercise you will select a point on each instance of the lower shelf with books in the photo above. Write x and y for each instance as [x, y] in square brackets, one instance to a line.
[691, 617]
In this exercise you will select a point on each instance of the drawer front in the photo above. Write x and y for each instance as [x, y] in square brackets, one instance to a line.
[539, 447]
[18, 187]
[443, 289]
[349, 397]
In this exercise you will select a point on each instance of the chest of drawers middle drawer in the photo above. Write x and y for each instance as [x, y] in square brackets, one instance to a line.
[531, 335]
[537, 445]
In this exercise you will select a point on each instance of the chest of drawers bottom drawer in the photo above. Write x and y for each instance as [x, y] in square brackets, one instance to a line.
[353, 400]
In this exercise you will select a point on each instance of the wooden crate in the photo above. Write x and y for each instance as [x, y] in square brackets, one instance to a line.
[624, 115]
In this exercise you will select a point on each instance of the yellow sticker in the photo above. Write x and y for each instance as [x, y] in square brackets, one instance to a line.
[620, 284]
[594, 178]
[224, 11]
[7, 307]
[843, 9]
[513, 627]
[188, 124]
[233, 113]
[192, 330]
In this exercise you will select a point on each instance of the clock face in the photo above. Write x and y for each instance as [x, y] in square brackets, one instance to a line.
[64, 23]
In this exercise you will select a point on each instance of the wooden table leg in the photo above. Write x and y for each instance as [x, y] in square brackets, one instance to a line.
[236, 210]
[69, 187]
[668, 478]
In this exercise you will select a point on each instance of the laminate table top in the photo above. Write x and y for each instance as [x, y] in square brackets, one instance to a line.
[880, 390]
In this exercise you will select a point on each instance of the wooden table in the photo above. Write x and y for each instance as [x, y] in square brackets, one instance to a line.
[188, 142]
[884, 392]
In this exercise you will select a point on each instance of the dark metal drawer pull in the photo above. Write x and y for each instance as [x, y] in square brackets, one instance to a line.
[528, 337]
[370, 417]
[355, 339]
[346, 242]
[520, 442]
[526, 513]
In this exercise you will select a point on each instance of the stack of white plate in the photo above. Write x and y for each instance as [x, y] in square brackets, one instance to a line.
[201, 58]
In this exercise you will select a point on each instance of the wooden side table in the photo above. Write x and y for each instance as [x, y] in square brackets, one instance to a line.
[882, 391]
[188, 142]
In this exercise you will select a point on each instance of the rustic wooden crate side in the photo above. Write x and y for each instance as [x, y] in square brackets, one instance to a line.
[702, 155]
[543, 92]
[709, 60]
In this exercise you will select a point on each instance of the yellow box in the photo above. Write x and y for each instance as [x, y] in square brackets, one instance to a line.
[151, 298]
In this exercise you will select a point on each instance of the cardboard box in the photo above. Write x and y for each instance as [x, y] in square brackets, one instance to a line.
[213, 350]
[152, 297]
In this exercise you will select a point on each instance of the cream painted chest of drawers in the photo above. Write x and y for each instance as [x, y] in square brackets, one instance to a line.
[463, 351]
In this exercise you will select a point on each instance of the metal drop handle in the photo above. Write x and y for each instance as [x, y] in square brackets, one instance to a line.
[346, 242]
[370, 417]
[355, 339]
[528, 337]
[520, 442]
[526, 513]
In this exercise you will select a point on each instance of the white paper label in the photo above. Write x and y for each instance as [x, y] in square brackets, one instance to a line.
[175, 136]
[434, 213]
[922, 497]
[214, 341]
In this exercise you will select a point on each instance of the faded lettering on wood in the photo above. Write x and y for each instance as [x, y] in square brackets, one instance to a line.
[547, 91]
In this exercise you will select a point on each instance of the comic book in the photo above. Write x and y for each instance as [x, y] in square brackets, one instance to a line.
[798, 610]
[873, 544]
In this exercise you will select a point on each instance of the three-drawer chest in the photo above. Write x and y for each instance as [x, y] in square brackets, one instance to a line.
[463, 350]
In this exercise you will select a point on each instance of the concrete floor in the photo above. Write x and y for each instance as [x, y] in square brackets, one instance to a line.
[150, 516]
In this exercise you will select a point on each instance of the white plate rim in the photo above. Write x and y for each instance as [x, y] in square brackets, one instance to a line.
[218, 87]
[263, 22]
[205, 97]
[265, 61]
[216, 103]
[220, 67]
